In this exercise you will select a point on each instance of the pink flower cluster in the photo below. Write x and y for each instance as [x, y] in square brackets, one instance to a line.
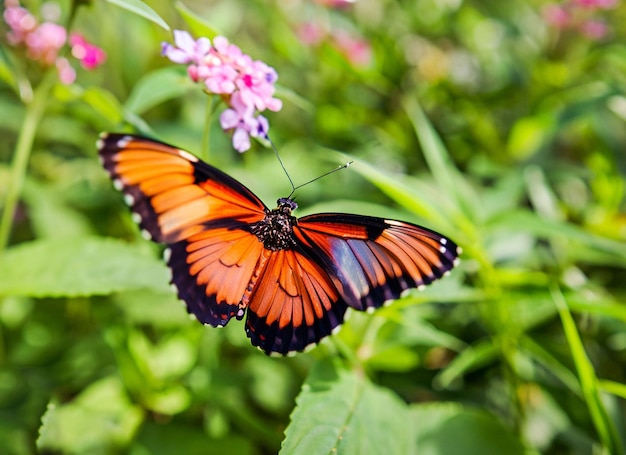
[43, 42]
[579, 15]
[246, 85]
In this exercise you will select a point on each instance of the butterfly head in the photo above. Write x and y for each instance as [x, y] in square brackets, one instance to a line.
[286, 205]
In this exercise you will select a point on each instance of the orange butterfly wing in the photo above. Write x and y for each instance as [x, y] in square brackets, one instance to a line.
[374, 260]
[339, 260]
[201, 213]
[295, 303]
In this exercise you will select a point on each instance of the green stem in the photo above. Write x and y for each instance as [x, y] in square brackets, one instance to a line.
[206, 135]
[34, 112]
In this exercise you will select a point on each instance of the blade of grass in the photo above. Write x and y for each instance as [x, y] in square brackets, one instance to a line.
[404, 195]
[481, 354]
[552, 364]
[439, 162]
[588, 380]
[614, 388]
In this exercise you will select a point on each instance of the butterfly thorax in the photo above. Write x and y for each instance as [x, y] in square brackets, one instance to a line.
[276, 229]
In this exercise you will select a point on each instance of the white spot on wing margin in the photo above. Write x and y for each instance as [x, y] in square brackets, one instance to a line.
[187, 156]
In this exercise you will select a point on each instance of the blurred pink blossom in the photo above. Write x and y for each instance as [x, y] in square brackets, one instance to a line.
[356, 50]
[21, 23]
[67, 74]
[556, 15]
[592, 4]
[90, 56]
[43, 42]
[310, 33]
[594, 29]
[579, 15]
[245, 84]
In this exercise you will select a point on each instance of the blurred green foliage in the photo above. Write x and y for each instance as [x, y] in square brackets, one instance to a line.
[475, 118]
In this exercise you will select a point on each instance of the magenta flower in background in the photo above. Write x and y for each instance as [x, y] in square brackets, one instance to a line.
[43, 42]
[90, 56]
[246, 85]
[593, 4]
[579, 15]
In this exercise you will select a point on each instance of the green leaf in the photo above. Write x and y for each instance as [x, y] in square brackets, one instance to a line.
[99, 420]
[160, 309]
[79, 267]
[341, 411]
[197, 24]
[158, 86]
[270, 383]
[104, 103]
[528, 135]
[8, 73]
[412, 331]
[393, 358]
[141, 9]
[450, 429]
[50, 216]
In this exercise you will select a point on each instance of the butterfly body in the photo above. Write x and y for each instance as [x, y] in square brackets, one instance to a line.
[230, 256]
[275, 231]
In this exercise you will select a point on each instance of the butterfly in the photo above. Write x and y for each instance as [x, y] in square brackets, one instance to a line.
[230, 255]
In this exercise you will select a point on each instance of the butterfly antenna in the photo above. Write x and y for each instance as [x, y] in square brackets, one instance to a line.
[338, 168]
[293, 188]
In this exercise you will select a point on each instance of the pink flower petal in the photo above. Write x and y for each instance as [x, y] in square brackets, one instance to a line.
[262, 127]
[174, 54]
[184, 41]
[229, 119]
[241, 140]
[67, 75]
